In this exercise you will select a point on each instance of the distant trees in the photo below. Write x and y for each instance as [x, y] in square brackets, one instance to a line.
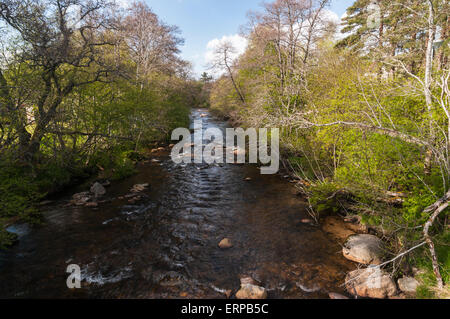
[286, 34]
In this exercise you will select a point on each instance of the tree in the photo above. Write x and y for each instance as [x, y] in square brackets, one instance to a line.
[61, 42]
[206, 78]
[224, 57]
[286, 33]
[154, 45]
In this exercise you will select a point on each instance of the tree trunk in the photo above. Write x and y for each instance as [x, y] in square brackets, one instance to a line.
[436, 209]
[428, 79]
[17, 118]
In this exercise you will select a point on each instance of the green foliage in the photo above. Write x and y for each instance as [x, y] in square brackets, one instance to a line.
[123, 166]
[320, 198]
[7, 239]
[18, 192]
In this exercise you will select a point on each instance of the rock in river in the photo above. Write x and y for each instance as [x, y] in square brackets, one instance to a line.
[98, 190]
[81, 199]
[225, 243]
[371, 282]
[249, 291]
[364, 249]
[139, 188]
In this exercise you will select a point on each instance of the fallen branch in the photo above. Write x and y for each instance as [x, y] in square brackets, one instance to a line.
[436, 209]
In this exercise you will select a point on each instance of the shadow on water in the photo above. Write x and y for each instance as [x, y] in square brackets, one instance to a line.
[166, 246]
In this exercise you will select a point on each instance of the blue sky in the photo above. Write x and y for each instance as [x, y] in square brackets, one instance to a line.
[202, 21]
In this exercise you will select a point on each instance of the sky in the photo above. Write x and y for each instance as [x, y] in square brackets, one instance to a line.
[205, 23]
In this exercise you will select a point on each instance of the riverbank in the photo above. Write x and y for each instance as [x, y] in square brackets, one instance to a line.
[343, 211]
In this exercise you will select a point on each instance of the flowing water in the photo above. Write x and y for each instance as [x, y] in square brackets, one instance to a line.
[166, 246]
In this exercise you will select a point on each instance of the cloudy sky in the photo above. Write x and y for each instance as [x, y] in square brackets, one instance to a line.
[204, 23]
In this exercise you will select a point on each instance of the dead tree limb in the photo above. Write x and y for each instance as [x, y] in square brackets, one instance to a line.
[436, 209]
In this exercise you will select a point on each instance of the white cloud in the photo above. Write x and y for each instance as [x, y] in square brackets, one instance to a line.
[329, 15]
[123, 3]
[239, 43]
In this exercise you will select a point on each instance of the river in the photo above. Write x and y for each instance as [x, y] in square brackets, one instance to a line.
[166, 245]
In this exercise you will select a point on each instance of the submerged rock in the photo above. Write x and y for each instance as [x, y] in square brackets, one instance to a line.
[225, 243]
[364, 249]
[408, 285]
[139, 188]
[337, 228]
[98, 190]
[371, 282]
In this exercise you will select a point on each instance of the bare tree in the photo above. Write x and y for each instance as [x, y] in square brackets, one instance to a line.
[292, 28]
[154, 45]
[224, 56]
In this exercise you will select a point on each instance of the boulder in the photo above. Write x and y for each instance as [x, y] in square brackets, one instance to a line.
[370, 282]
[364, 249]
[225, 243]
[81, 199]
[249, 291]
[408, 285]
[98, 190]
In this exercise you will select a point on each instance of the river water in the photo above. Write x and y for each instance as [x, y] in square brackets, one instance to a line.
[166, 246]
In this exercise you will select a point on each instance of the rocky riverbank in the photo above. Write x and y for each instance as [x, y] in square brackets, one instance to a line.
[370, 254]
